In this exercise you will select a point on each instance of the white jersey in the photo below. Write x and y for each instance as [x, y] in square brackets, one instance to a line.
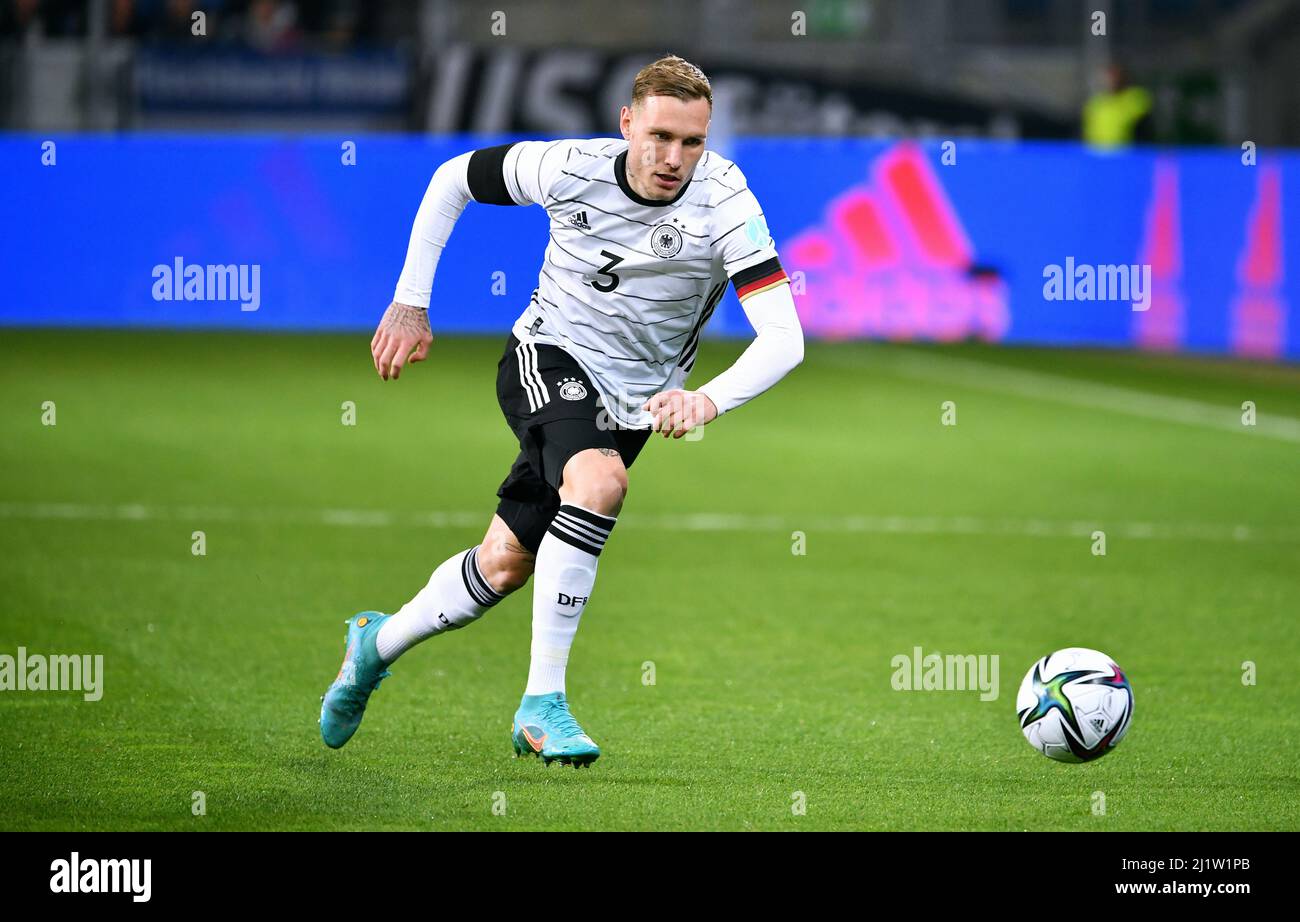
[628, 283]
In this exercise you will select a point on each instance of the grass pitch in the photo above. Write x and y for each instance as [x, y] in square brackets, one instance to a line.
[728, 679]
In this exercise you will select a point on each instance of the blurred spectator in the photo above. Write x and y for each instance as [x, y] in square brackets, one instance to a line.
[20, 18]
[177, 21]
[1118, 115]
[124, 18]
[37, 18]
[266, 25]
[272, 25]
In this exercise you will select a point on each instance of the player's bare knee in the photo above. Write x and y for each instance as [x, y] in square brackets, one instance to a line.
[600, 491]
[511, 576]
[506, 566]
[504, 562]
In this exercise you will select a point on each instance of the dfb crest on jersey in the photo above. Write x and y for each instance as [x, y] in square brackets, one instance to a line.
[571, 389]
[666, 241]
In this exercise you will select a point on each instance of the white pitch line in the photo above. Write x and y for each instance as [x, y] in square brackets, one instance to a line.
[677, 522]
[1040, 385]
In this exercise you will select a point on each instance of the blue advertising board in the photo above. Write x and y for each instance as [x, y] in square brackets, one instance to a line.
[1009, 242]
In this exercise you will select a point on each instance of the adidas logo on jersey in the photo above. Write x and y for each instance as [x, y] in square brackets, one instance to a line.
[579, 220]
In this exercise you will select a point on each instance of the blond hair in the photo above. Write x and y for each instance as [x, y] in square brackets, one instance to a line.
[671, 76]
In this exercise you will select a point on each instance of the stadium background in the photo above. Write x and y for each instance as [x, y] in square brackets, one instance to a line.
[920, 167]
[892, 243]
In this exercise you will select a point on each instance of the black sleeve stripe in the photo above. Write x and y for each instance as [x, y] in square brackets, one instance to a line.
[754, 273]
[487, 182]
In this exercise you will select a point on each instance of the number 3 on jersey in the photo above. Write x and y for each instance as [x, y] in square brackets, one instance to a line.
[609, 286]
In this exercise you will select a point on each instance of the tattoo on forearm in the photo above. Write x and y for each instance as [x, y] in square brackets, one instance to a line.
[406, 320]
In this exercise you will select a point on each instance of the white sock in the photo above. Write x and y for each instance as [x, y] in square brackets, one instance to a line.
[455, 595]
[562, 580]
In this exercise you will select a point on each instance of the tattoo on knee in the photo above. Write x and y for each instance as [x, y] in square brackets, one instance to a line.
[608, 452]
[516, 549]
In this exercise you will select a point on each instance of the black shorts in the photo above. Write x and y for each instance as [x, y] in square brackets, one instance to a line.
[555, 412]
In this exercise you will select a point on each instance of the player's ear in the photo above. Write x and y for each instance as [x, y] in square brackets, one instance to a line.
[625, 123]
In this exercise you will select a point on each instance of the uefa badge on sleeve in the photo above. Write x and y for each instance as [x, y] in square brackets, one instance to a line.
[757, 233]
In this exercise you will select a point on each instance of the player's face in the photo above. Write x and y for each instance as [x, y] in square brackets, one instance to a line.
[665, 138]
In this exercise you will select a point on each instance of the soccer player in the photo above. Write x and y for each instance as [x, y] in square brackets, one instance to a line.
[645, 233]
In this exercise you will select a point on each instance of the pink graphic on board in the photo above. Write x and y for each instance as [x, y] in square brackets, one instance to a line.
[891, 259]
[1162, 325]
[1258, 315]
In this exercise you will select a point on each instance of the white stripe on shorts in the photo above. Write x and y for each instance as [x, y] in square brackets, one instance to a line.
[534, 386]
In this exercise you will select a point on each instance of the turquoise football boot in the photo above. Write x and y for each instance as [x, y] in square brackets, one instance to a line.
[344, 702]
[544, 727]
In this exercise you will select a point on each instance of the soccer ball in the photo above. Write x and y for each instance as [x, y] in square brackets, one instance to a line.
[1074, 705]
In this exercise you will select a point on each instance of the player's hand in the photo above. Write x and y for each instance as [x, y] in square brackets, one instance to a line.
[677, 412]
[403, 335]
